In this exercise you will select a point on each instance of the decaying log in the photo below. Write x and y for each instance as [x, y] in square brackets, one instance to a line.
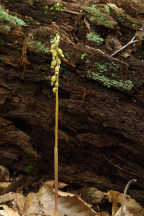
[101, 124]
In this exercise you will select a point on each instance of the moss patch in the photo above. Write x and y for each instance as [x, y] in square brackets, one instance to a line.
[38, 45]
[95, 37]
[7, 18]
[105, 74]
[123, 18]
[127, 85]
[100, 15]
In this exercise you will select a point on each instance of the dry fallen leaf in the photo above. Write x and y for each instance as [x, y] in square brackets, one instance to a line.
[114, 197]
[4, 174]
[69, 204]
[7, 211]
[43, 203]
[92, 195]
[131, 207]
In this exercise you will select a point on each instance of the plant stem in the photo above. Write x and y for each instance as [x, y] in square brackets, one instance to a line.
[124, 196]
[56, 152]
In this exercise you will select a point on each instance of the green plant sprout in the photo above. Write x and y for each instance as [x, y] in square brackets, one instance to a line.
[83, 55]
[29, 168]
[95, 37]
[46, 7]
[55, 7]
[55, 65]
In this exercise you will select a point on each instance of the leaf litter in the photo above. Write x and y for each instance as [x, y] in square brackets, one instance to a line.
[43, 203]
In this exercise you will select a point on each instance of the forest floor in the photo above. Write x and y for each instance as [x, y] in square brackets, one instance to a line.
[101, 92]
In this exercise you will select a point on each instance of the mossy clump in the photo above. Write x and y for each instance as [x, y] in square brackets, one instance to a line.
[103, 68]
[127, 85]
[83, 56]
[55, 7]
[7, 18]
[99, 14]
[95, 37]
[105, 74]
[123, 18]
[38, 45]
[5, 28]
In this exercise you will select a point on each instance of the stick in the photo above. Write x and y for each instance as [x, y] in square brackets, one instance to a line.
[122, 48]
[124, 196]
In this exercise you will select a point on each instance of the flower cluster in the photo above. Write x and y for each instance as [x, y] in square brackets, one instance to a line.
[55, 63]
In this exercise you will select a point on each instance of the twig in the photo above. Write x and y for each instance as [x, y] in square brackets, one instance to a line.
[124, 196]
[122, 48]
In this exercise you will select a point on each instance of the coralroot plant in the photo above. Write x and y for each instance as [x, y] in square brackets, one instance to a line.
[55, 65]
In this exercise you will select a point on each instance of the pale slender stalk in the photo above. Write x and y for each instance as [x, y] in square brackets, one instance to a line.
[56, 152]
[124, 196]
[55, 64]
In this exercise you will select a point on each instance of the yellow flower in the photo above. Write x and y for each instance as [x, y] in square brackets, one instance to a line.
[60, 52]
[54, 90]
[57, 69]
[58, 61]
[53, 63]
[53, 78]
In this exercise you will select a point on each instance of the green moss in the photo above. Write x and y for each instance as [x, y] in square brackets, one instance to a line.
[95, 37]
[113, 75]
[55, 7]
[83, 55]
[134, 25]
[81, 27]
[5, 28]
[28, 169]
[99, 9]
[103, 68]
[100, 15]
[5, 17]
[127, 85]
[110, 69]
[114, 66]
[125, 21]
[123, 18]
[39, 46]
[45, 7]
[30, 19]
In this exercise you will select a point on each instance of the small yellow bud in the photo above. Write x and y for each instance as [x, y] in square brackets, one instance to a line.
[60, 52]
[56, 84]
[58, 61]
[57, 69]
[54, 53]
[53, 63]
[53, 46]
[54, 90]
[53, 78]
[57, 37]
